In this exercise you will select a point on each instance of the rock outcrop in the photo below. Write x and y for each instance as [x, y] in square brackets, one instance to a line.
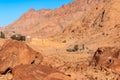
[37, 72]
[108, 57]
[15, 53]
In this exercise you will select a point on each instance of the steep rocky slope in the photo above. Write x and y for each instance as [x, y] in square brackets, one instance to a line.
[99, 27]
[89, 22]
[45, 22]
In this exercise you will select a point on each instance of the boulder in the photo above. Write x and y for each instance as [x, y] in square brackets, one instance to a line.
[37, 72]
[108, 57]
[15, 53]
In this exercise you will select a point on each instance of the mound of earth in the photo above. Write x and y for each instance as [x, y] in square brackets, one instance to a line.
[15, 53]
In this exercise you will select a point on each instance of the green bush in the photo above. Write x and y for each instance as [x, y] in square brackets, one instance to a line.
[75, 48]
[70, 50]
[2, 35]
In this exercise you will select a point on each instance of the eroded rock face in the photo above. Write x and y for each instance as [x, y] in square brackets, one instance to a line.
[15, 53]
[37, 72]
[107, 57]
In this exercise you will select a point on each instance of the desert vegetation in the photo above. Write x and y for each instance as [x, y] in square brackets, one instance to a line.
[2, 35]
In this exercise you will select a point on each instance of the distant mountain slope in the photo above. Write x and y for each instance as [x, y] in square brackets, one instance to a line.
[45, 22]
[100, 27]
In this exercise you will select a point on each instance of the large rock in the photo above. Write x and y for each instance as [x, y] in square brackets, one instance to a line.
[37, 72]
[15, 53]
[107, 57]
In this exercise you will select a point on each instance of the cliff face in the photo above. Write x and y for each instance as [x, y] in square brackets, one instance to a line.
[99, 27]
[45, 22]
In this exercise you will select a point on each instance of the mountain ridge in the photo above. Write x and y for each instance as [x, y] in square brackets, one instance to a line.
[46, 22]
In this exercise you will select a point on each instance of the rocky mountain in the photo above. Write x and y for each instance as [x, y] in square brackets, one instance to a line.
[46, 22]
[82, 21]
[99, 27]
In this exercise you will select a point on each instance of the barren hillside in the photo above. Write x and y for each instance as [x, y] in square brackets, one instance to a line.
[99, 27]
[46, 22]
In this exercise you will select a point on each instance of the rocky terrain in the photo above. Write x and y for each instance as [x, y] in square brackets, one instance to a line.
[48, 22]
[79, 41]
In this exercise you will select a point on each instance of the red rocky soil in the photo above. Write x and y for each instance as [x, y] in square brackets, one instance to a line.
[92, 25]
